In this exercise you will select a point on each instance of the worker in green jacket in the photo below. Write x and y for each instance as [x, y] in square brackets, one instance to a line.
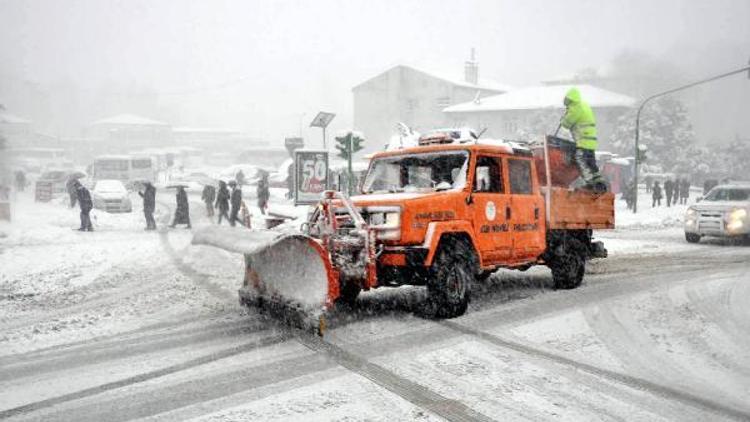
[580, 121]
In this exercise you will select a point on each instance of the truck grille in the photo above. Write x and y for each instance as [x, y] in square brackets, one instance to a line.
[711, 214]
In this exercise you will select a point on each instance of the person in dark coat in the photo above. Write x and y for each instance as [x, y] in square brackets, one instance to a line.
[149, 204]
[71, 186]
[222, 201]
[20, 181]
[668, 190]
[236, 202]
[263, 192]
[656, 194]
[684, 191]
[182, 213]
[209, 196]
[84, 202]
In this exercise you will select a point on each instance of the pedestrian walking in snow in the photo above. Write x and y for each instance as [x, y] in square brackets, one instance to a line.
[182, 213]
[71, 185]
[263, 192]
[149, 204]
[20, 181]
[649, 183]
[236, 202]
[209, 196]
[222, 201]
[684, 191]
[669, 190]
[656, 195]
[240, 178]
[84, 202]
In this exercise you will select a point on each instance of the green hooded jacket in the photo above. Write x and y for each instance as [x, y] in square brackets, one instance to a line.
[579, 120]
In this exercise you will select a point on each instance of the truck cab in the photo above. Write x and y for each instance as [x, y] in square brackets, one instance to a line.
[452, 210]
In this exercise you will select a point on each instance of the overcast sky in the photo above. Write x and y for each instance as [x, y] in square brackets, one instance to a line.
[258, 66]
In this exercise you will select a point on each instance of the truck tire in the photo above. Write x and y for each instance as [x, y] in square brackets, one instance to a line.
[348, 293]
[452, 271]
[692, 237]
[568, 268]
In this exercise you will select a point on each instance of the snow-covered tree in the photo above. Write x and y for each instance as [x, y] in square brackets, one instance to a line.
[537, 124]
[664, 129]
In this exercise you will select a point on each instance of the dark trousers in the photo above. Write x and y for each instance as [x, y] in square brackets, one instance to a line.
[586, 163]
[86, 220]
[233, 219]
[150, 223]
[669, 198]
[655, 202]
[223, 212]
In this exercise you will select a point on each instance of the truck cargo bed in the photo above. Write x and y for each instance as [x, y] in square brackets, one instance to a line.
[580, 209]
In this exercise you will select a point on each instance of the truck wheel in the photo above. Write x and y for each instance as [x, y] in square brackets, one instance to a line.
[450, 282]
[692, 237]
[348, 293]
[568, 269]
[484, 275]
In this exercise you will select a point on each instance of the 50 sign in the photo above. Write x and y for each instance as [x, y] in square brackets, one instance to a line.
[310, 176]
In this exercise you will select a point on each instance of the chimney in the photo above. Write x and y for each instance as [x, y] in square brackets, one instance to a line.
[471, 69]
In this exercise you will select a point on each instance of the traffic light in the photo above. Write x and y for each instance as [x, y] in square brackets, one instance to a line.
[348, 145]
[642, 149]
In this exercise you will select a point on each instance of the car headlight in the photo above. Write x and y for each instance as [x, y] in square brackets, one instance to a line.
[691, 214]
[736, 219]
[738, 214]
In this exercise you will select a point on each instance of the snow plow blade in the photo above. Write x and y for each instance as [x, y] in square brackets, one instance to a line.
[288, 276]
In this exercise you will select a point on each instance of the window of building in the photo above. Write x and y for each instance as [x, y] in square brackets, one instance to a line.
[520, 176]
[488, 176]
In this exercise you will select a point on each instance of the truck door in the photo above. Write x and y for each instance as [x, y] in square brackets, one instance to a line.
[526, 223]
[490, 201]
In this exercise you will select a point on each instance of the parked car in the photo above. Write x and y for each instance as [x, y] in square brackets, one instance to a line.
[111, 196]
[57, 179]
[724, 212]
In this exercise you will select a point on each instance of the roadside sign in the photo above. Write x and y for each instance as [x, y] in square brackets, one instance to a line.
[293, 144]
[310, 176]
[322, 119]
[43, 191]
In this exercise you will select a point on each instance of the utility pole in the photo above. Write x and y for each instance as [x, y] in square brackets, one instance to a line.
[661, 94]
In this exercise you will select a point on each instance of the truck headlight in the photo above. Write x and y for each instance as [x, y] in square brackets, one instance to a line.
[386, 221]
[691, 213]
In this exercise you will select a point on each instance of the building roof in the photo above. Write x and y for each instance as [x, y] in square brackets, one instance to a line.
[128, 119]
[484, 83]
[541, 97]
[10, 118]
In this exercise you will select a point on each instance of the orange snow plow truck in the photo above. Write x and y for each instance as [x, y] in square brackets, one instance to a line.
[441, 214]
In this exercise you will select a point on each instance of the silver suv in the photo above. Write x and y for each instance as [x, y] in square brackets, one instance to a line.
[724, 212]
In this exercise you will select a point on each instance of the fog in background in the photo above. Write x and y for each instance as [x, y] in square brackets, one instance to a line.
[267, 67]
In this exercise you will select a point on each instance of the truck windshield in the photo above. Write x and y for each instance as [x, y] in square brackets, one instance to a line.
[426, 172]
[725, 194]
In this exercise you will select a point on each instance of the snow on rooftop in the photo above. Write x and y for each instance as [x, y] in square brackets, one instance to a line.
[10, 118]
[128, 119]
[457, 80]
[186, 129]
[540, 97]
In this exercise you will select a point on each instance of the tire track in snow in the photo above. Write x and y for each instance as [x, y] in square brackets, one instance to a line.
[628, 380]
[247, 347]
[408, 390]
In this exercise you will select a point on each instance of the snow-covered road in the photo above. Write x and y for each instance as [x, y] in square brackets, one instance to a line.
[122, 324]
